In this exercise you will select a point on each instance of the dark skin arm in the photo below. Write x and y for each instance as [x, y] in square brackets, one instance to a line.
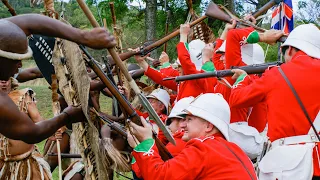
[97, 38]
[17, 125]
[29, 74]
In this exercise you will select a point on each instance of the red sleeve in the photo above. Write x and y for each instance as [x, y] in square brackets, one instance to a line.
[189, 68]
[185, 60]
[246, 93]
[235, 39]
[218, 64]
[186, 165]
[258, 116]
[158, 77]
[169, 71]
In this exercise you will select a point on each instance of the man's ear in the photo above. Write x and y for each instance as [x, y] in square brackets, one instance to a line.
[291, 51]
[209, 127]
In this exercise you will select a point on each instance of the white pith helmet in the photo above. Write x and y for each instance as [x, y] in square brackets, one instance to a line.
[195, 50]
[305, 37]
[162, 96]
[178, 108]
[250, 53]
[213, 108]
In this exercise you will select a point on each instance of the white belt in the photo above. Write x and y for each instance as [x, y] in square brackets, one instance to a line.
[310, 138]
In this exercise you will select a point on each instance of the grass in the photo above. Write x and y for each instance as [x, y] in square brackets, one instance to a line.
[43, 96]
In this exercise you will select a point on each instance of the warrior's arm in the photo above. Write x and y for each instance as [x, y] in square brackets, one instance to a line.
[29, 74]
[97, 38]
[17, 125]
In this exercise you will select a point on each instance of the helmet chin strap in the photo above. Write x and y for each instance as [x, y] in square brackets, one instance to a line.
[16, 56]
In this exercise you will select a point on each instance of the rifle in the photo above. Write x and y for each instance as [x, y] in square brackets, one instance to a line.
[10, 8]
[215, 12]
[251, 69]
[265, 8]
[153, 46]
[163, 151]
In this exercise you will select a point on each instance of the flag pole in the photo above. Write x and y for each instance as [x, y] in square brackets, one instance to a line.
[280, 27]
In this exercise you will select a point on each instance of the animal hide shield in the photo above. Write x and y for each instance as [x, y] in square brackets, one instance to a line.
[74, 84]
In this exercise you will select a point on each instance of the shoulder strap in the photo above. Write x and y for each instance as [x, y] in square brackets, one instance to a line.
[239, 160]
[299, 101]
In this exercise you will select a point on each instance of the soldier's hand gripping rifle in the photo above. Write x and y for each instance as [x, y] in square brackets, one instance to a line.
[215, 12]
[164, 153]
[251, 69]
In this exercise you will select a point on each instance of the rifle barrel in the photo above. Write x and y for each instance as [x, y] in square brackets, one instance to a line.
[251, 69]
[265, 8]
[215, 12]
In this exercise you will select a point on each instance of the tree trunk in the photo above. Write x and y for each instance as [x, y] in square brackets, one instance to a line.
[151, 17]
[230, 6]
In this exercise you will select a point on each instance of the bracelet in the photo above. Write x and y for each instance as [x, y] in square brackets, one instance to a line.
[68, 115]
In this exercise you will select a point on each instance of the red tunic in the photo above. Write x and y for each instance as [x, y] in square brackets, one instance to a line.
[235, 39]
[173, 149]
[193, 87]
[285, 117]
[202, 158]
[218, 64]
[158, 77]
[168, 70]
[185, 88]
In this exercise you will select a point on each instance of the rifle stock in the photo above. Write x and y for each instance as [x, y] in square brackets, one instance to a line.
[251, 69]
[213, 11]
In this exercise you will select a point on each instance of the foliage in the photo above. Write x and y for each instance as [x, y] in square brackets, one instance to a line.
[309, 11]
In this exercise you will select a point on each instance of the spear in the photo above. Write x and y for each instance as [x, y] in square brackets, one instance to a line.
[144, 101]
[10, 8]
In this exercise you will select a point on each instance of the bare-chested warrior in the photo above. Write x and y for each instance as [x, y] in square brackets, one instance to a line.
[14, 48]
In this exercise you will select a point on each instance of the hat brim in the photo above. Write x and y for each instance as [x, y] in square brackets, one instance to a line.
[153, 97]
[217, 122]
[308, 48]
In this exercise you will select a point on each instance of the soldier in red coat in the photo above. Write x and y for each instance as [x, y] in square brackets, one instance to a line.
[174, 123]
[207, 155]
[194, 58]
[235, 52]
[288, 128]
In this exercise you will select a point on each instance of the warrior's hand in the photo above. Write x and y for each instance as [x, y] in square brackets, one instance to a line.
[99, 38]
[124, 91]
[141, 132]
[74, 114]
